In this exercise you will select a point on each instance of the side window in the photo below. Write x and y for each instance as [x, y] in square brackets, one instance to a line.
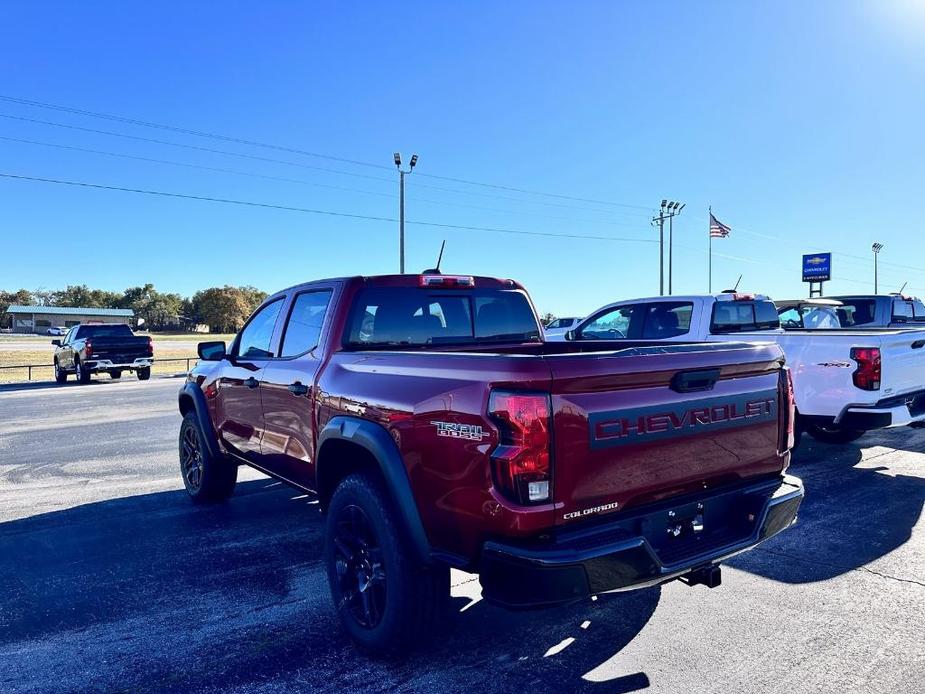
[791, 318]
[304, 325]
[902, 310]
[667, 319]
[254, 340]
[610, 325]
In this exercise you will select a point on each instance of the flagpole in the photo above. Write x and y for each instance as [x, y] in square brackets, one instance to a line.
[710, 262]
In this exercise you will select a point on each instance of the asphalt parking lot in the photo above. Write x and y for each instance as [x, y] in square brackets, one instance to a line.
[111, 580]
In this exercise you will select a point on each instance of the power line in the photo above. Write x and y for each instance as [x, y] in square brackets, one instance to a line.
[288, 208]
[186, 131]
[257, 143]
[201, 167]
[211, 150]
[287, 162]
[300, 181]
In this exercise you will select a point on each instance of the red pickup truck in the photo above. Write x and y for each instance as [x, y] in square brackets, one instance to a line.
[439, 430]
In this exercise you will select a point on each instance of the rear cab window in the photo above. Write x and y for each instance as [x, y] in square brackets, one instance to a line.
[908, 310]
[115, 330]
[387, 317]
[734, 315]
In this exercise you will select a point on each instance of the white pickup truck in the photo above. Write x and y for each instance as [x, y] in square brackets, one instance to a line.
[846, 382]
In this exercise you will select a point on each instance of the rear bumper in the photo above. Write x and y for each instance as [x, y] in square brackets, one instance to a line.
[107, 364]
[894, 411]
[639, 549]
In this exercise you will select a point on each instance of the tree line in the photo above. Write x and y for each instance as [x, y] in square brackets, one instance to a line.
[223, 309]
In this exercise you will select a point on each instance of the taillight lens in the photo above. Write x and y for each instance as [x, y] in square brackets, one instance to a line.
[791, 405]
[88, 348]
[867, 375]
[521, 460]
[150, 347]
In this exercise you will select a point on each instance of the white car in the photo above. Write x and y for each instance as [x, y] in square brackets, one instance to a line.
[846, 381]
[56, 331]
[556, 330]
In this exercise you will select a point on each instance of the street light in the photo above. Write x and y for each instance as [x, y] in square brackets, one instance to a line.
[876, 248]
[401, 206]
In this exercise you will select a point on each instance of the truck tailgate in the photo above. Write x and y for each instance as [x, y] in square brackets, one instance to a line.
[643, 425]
[903, 362]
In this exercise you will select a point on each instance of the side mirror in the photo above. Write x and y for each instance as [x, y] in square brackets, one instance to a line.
[211, 351]
[56, 343]
[571, 335]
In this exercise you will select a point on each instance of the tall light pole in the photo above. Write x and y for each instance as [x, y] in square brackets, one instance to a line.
[401, 207]
[876, 248]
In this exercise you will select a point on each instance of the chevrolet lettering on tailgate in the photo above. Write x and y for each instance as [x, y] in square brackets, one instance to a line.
[645, 424]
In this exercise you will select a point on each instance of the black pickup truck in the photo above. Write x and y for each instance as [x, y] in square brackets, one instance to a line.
[89, 349]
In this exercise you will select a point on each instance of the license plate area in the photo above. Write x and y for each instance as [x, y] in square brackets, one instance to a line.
[699, 526]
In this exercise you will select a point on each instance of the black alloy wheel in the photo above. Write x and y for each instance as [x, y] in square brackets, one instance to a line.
[191, 458]
[360, 569]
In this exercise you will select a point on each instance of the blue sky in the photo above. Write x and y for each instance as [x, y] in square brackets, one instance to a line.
[800, 123]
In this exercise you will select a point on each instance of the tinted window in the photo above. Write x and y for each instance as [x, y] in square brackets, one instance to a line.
[731, 316]
[304, 326]
[667, 319]
[613, 324]
[409, 316]
[104, 331]
[254, 340]
[918, 309]
[857, 311]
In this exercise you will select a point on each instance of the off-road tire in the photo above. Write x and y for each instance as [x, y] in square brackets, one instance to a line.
[143, 373]
[414, 597]
[115, 374]
[833, 434]
[207, 479]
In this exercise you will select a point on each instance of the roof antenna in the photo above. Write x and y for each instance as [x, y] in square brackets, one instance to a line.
[902, 287]
[436, 270]
[736, 288]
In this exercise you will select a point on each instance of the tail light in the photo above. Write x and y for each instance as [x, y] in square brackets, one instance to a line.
[520, 462]
[791, 410]
[150, 347]
[88, 348]
[867, 375]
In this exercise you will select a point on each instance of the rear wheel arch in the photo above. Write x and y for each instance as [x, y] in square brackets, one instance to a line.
[348, 445]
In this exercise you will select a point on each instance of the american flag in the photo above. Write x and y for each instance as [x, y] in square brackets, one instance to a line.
[718, 230]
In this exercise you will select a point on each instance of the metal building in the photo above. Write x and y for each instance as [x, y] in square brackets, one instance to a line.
[38, 319]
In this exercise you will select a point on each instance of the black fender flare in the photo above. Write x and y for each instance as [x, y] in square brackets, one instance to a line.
[190, 392]
[377, 441]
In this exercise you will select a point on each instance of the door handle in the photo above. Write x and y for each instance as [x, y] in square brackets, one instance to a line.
[251, 382]
[298, 389]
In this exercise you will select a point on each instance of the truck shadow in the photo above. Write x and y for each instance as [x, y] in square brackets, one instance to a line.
[152, 593]
[855, 510]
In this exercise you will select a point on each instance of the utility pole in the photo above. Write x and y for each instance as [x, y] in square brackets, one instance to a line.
[667, 210]
[660, 220]
[674, 209]
[876, 248]
[401, 207]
